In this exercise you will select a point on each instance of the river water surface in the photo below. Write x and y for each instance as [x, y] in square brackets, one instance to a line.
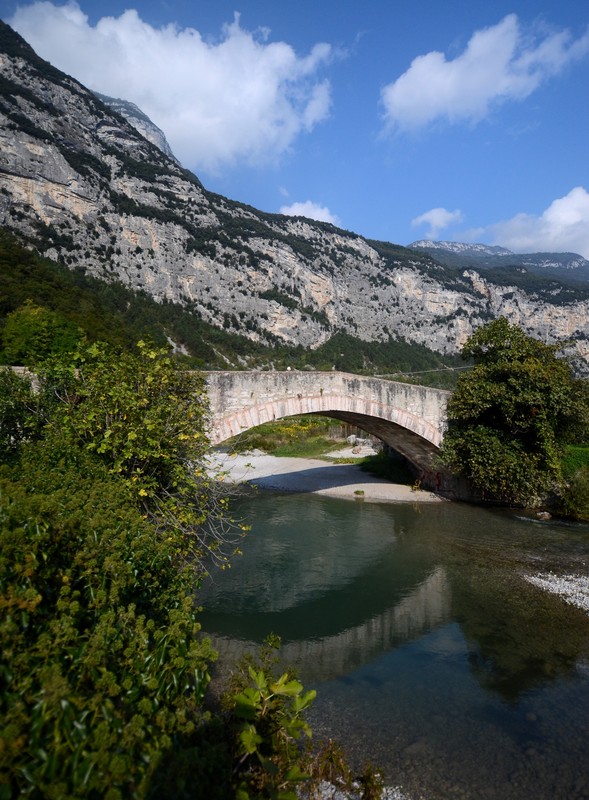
[432, 656]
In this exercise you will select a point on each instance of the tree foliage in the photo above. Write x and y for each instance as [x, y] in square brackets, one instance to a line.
[511, 414]
[18, 412]
[105, 522]
[145, 420]
[102, 670]
[32, 334]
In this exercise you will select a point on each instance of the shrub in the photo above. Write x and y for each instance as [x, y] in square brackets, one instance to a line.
[102, 670]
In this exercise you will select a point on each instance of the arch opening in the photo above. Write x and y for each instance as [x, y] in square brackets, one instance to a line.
[418, 451]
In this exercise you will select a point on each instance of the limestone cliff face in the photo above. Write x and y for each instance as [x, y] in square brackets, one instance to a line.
[87, 189]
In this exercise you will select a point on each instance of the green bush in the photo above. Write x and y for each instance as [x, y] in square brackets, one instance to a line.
[18, 419]
[103, 673]
[511, 415]
[102, 538]
[32, 334]
[292, 436]
[575, 501]
[271, 739]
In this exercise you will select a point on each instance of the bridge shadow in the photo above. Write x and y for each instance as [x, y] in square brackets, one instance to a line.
[305, 475]
[330, 476]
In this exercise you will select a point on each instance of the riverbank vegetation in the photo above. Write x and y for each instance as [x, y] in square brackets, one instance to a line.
[303, 436]
[319, 437]
[108, 521]
[513, 420]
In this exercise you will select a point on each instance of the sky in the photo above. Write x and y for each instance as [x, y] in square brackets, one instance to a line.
[457, 120]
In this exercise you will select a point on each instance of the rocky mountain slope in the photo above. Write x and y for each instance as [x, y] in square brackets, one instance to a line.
[80, 183]
[139, 121]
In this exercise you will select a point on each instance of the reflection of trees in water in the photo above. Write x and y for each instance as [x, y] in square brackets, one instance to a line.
[518, 637]
[298, 552]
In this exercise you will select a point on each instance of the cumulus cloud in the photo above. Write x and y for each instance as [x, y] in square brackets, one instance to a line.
[241, 97]
[437, 219]
[562, 227]
[499, 63]
[311, 210]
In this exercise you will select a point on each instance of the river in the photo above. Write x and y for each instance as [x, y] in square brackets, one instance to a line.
[433, 657]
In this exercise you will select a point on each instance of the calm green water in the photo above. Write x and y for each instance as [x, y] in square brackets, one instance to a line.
[432, 657]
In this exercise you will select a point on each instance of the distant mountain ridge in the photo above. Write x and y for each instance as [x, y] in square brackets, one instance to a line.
[83, 187]
[567, 266]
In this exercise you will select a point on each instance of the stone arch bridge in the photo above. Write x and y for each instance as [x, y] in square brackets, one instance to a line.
[410, 419]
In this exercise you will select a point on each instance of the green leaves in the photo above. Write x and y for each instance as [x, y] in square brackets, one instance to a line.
[268, 712]
[102, 669]
[101, 541]
[145, 420]
[510, 414]
[32, 334]
[17, 413]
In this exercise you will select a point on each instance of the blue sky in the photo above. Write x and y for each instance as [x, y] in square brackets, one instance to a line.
[397, 119]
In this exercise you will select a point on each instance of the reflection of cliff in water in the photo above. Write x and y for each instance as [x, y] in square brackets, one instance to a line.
[418, 612]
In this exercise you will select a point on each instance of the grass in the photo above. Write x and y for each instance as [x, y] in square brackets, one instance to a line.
[299, 437]
[576, 457]
[313, 447]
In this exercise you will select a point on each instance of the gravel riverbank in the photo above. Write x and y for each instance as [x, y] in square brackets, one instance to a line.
[574, 589]
[314, 476]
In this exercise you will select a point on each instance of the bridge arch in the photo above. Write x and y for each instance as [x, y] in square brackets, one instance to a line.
[410, 419]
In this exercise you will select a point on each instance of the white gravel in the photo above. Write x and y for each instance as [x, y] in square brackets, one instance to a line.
[573, 589]
[313, 476]
[329, 792]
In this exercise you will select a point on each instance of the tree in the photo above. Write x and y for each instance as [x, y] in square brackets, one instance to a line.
[33, 333]
[146, 421]
[511, 414]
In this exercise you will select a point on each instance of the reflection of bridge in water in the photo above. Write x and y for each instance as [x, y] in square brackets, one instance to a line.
[424, 608]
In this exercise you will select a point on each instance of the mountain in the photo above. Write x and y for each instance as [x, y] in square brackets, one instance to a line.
[564, 266]
[139, 121]
[82, 186]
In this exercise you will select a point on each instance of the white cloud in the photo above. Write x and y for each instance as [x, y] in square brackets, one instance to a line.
[238, 98]
[500, 63]
[437, 219]
[310, 210]
[562, 227]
